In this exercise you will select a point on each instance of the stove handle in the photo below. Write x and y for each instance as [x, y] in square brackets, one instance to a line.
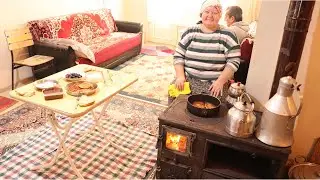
[159, 141]
[192, 137]
[189, 171]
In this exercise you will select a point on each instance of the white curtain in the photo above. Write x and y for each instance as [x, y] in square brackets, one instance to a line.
[250, 9]
[186, 12]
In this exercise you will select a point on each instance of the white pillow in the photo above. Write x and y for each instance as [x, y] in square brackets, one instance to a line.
[80, 49]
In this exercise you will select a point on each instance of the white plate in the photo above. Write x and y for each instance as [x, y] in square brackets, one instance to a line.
[45, 84]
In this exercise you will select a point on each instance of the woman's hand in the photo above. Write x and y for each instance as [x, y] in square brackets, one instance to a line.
[216, 88]
[180, 83]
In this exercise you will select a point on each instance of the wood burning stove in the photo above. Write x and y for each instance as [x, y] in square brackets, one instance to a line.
[195, 147]
[176, 140]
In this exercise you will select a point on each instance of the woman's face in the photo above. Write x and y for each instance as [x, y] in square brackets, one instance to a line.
[211, 16]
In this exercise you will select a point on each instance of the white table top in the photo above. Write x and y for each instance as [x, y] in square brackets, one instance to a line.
[66, 105]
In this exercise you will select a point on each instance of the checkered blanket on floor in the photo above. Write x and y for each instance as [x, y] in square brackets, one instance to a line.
[109, 164]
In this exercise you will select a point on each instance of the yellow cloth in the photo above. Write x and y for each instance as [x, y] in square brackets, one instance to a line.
[174, 92]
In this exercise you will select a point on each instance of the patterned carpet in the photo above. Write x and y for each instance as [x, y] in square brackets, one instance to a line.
[138, 109]
[19, 124]
[155, 74]
[135, 113]
[130, 120]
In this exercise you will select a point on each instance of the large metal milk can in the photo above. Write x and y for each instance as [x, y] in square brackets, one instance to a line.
[278, 118]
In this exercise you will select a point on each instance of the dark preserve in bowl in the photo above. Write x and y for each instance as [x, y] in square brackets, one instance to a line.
[203, 111]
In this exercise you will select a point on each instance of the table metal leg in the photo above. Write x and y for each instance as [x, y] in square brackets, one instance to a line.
[100, 129]
[55, 157]
[66, 150]
[62, 149]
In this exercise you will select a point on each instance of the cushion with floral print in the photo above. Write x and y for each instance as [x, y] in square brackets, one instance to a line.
[79, 26]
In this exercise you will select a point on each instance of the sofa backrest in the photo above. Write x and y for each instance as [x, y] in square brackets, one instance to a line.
[79, 26]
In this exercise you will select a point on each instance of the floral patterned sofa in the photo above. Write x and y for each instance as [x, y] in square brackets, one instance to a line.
[92, 37]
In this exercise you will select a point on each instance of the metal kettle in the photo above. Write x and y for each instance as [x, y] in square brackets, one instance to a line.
[241, 120]
[235, 90]
[278, 118]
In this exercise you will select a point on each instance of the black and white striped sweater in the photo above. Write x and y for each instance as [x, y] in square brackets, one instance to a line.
[204, 55]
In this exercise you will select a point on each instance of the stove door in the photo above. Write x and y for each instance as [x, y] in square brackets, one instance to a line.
[171, 170]
[176, 140]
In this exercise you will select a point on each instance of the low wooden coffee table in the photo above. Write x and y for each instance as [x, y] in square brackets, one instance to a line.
[112, 83]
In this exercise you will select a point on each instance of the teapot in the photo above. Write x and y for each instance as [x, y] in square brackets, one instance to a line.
[241, 121]
[235, 90]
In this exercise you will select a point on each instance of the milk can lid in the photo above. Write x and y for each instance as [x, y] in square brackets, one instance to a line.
[287, 81]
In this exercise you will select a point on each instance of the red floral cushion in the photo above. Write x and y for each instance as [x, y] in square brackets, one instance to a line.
[81, 27]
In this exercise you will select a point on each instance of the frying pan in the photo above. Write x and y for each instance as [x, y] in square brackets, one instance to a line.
[203, 112]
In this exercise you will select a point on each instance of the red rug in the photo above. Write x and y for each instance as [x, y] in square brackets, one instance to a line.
[5, 103]
[157, 51]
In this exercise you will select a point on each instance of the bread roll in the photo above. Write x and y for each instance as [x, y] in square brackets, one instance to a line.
[85, 101]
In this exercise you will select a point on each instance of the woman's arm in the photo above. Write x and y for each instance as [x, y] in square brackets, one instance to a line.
[180, 76]
[216, 87]
[226, 75]
[179, 58]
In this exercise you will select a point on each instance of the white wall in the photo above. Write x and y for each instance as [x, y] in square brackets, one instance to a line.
[13, 12]
[116, 7]
[266, 49]
[136, 11]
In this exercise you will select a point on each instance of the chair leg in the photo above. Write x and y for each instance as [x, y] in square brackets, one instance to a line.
[12, 71]
[12, 79]
[33, 74]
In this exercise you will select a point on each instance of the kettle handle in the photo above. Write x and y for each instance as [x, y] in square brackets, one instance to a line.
[300, 107]
[249, 98]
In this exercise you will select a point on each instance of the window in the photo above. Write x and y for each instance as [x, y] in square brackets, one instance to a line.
[179, 12]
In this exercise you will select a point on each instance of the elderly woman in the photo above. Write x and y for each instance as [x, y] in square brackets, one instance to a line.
[207, 55]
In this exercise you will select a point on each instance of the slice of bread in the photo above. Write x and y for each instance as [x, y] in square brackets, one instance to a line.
[85, 85]
[85, 101]
[25, 93]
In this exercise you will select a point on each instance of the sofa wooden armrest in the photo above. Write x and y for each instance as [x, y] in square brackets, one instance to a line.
[130, 27]
[64, 56]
